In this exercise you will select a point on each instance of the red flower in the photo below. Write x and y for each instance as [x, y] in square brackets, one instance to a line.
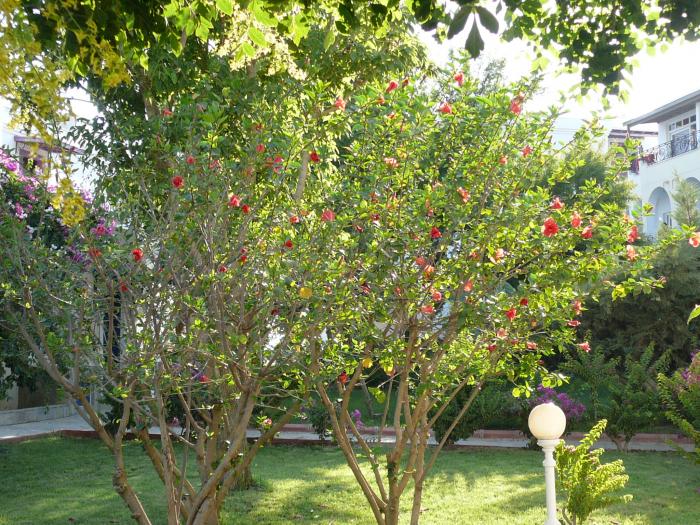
[584, 346]
[375, 218]
[573, 323]
[381, 100]
[203, 378]
[587, 232]
[524, 301]
[474, 255]
[633, 234]
[694, 240]
[94, 253]
[499, 254]
[526, 151]
[515, 106]
[502, 160]
[437, 296]
[556, 204]
[327, 215]
[510, 314]
[392, 86]
[288, 244]
[260, 148]
[222, 269]
[501, 333]
[435, 233]
[428, 309]
[359, 228]
[405, 82]
[577, 307]
[243, 258]
[343, 377]
[234, 201]
[491, 347]
[464, 194]
[167, 112]
[137, 253]
[531, 345]
[294, 219]
[123, 287]
[314, 157]
[468, 286]
[631, 252]
[575, 220]
[459, 78]
[190, 160]
[421, 261]
[391, 162]
[215, 164]
[245, 209]
[549, 228]
[445, 108]
[428, 271]
[339, 103]
[177, 181]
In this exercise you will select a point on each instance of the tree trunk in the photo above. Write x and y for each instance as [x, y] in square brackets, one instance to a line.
[121, 485]
[208, 513]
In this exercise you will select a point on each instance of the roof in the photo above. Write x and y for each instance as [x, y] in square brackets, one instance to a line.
[41, 144]
[633, 133]
[667, 111]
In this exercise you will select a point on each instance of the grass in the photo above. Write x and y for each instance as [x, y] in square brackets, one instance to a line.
[63, 481]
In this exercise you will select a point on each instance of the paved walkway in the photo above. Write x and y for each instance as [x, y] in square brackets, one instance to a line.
[299, 434]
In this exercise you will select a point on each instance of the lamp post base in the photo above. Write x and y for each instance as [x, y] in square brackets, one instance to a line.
[550, 490]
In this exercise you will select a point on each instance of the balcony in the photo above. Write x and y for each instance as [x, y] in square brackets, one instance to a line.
[667, 150]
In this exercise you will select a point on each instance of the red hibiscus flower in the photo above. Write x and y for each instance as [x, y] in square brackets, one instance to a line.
[499, 255]
[314, 157]
[524, 301]
[445, 108]
[501, 333]
[190, 160]
[573, 323]
[694, 240]
[391, 162]
[491, 347]
[464, 194]
[260, 148]
[575, 220]
[421, 261]
[459, 78]
[502, 160]
[203, 378]
[234, 201]
[177, 181]
[428, 309]
[243, 258]
[633, 234]
[526, 151]
[123, 287]
[328, 215]
[631, 252]
[587, 232]
[511, 313]
[223, 269]
[584, 346]
[392, 86]
[94, 253]
[468, 286]
[435, 233]
[137, 253]
[549, 228]
[339, 103]
[245, 209]
[515, 106]
[428, 271]
[531, 345]
[374, 217]
[436, 295]
[343, 378]
[167, 112]
[556, 204]
[294, 219]
[288, 244]
[577, 306]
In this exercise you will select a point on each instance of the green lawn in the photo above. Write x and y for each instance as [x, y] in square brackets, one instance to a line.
[62, 481]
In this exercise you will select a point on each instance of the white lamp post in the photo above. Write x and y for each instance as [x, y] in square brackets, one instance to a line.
[547, 423]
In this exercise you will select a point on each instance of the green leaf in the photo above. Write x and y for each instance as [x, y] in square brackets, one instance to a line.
[225, 6]
[474, 44]
[248, 49]
[487, 19]
[257, 36]
[695, 313]
[329, 39]
[459, 21]
[264, 17]
[378, 394]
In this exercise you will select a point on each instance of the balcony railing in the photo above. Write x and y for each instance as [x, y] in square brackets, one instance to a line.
[667, 150]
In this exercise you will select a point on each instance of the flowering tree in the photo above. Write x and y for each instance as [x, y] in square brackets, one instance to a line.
[466, 265]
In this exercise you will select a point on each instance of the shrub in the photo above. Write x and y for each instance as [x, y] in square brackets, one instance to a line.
[588, 484]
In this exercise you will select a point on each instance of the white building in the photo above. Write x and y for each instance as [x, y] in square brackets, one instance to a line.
[675, 156]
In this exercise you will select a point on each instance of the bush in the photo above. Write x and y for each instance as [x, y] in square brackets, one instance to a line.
[587, 484]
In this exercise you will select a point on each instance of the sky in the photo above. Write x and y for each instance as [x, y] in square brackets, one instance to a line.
[657, 80]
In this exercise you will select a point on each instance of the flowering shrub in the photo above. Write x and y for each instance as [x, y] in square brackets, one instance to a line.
[572, 409]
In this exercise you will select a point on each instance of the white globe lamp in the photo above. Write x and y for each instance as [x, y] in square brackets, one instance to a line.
[547, 423]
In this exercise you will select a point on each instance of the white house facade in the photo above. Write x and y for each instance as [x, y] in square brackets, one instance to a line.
[676, 156]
